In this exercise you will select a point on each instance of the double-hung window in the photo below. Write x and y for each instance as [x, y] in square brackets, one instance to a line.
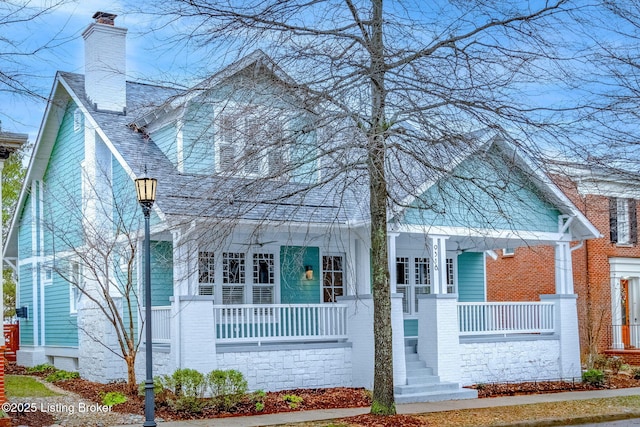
[332, 277]
[206, 273]
[623, 221]
[250, 141]
[233, 277]
[263, 278]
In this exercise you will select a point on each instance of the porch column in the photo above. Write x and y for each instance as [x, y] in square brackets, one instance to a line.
[362, 267]
[564, 269]
[566, 326]
[392, 261]
[360, 332]
[439, 335]
[616, 311]
[194, 316]
[438, 255]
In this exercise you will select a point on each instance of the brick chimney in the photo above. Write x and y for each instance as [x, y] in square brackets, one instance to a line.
[105, 64]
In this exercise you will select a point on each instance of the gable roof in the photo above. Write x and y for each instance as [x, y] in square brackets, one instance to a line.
[185, 195]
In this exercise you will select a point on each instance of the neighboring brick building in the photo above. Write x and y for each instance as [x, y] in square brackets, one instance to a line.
[606, 271]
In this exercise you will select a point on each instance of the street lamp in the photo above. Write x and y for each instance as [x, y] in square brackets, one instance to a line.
[146, 189]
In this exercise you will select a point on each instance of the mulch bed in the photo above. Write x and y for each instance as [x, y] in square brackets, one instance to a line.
[620, 380]
[274, 402]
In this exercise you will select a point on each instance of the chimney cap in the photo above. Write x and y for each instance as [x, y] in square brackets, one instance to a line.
[104, 18]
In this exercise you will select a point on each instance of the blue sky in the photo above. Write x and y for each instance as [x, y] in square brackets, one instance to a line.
[147, 56]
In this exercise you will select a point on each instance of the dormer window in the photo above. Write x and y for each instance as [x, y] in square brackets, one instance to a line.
[250, 141]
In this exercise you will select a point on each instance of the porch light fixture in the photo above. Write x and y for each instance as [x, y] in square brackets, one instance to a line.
[308, 272]
[146, 189]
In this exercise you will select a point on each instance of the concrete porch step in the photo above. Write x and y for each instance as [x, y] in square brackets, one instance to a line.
[425, 388]
[437, 396]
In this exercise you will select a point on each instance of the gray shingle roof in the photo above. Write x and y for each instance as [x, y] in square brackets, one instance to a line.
[213, 196]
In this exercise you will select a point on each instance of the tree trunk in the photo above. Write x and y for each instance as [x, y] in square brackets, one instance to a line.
[383, 399]
[132, 384]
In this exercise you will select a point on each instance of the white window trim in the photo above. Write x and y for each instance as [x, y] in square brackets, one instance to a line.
[47, 270]
[239, 149]
[508, 252]
[344, 273]
[74, 292]
[623, 222]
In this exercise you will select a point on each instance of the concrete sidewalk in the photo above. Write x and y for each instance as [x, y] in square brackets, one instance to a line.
[408, 408]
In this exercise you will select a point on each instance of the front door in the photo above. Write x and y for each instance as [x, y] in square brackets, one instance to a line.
[624, 296]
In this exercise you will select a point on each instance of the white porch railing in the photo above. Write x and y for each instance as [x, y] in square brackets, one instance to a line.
[161, 324]
[502, 318]
[280, 322]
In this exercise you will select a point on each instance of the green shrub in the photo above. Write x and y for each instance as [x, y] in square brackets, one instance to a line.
[292, 400]
[593, 376]
[61, 376]
[187, 387]
[228, 388]
[185, 382]
[113, 398]
[635, 372]
[41, 369]
[158, 389]
[258, 399]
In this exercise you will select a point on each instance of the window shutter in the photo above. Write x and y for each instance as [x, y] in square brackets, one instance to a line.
[633, 222]
[613, 220]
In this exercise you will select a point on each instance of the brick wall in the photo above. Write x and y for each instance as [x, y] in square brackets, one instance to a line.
[530, 272]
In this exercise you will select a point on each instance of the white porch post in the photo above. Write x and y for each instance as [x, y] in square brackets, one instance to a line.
[566, 311]
[363, 268]
[438, 332]
[564, 269]
[360, 333]
[438, 255]
[616, 310]
[566, 321]
[392, 261]
[197, 344]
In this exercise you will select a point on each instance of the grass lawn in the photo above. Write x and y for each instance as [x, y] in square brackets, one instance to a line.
[538, 414]
[23, 386]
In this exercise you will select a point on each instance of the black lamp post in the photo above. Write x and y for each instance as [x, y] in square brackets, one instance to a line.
[146, 189]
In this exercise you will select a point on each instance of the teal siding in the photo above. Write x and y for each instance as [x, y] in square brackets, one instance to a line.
[485, 191]
[63, 187]
[294, 288]
[197, 139]
[25, 296]
[471, 277]
[161, 273]
[24, 231]
[165, 139]
[61, 326]
[410, 328]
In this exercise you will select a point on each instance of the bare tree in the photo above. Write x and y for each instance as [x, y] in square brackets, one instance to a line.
[15, 48]
[94, 245]
[395, 89]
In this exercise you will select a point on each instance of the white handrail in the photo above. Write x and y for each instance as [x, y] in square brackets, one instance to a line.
[492, 318]
[280, 322]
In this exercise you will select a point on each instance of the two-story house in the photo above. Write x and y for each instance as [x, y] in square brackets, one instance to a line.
[261, 255]
[606, 270]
